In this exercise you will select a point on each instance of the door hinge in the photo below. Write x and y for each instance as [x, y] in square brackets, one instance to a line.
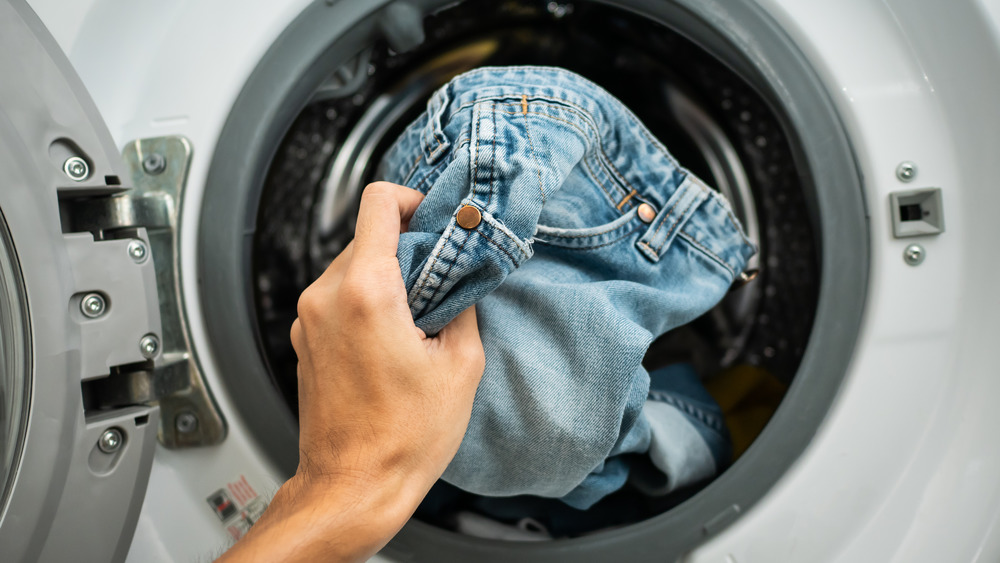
[171, 377]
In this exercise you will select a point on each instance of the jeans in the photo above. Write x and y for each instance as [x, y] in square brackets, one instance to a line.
[580, 240]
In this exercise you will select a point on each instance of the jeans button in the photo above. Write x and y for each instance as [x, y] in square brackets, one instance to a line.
[468, 217]
[646, 213]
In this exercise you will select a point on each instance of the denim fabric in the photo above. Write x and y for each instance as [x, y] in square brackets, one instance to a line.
[571, 285]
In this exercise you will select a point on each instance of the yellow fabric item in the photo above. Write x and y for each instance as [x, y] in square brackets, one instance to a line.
[748, 396]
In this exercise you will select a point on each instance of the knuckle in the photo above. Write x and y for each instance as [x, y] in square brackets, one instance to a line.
[310, 305]
[378, 190]
[358, 296]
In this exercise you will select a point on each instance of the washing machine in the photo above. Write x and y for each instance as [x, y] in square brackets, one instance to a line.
[174, 173]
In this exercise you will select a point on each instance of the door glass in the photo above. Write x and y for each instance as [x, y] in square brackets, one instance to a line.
[14, 361]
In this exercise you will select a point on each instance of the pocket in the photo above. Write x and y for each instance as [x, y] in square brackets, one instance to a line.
[592, 208]
[591, 237]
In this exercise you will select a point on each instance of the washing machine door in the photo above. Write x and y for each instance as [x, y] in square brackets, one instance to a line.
[79, 314]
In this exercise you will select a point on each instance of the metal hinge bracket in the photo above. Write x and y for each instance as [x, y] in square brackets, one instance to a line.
[172, 378]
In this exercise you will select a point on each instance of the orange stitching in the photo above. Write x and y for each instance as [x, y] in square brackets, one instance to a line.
[531, 147]
[444, 275]
[705, 250]
[609, 243]
[600, 184]
[413, 170]
[659, 146]
[475, 161]
[524, 104]
[430, 269]
[429, 174]
[493, 158]
[437, 150]
[606, 160]
[666, 214]
[630, 195]
[585, 115]
[677, 223]
[566, 121]
[500, 248]
[597, 234]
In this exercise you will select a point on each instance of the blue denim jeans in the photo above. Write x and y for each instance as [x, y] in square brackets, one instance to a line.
[586, 241]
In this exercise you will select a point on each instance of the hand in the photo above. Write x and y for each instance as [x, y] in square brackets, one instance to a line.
[382, 407]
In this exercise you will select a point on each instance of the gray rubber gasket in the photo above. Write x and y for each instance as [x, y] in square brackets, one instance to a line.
[738, 32]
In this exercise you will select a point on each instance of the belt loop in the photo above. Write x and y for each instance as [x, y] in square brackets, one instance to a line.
[435, 143]
[671, 218]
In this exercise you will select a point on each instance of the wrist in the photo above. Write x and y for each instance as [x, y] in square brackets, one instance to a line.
[356, 509]
[331, 518]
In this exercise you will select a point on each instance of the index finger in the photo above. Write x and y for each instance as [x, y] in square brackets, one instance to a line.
[385, 210]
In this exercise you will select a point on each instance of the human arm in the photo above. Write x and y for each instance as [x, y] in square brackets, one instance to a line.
[382, 407]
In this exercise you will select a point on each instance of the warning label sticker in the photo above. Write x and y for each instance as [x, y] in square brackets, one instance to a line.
[237, 505]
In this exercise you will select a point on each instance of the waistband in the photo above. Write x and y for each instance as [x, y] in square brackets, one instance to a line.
[486, 113]
[636, 161]
[644, 166]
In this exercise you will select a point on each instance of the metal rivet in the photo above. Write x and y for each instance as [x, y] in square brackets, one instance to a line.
[154, 163]
[186, 422]
[137, 251]
[149, 345]
[744, 278]
[749, 275]
[93, 305]
[914, 254]
[76, 168]
[468, 217]
[646, 213]
[906, 171]
[110, 440]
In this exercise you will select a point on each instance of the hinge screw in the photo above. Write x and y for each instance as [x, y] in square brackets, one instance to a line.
[914, 254]
[93, 305]
[154, 163]
[76, 168]
[186, 422]
[149, 345]
[906, 171]
[110, 440]
[137, 251]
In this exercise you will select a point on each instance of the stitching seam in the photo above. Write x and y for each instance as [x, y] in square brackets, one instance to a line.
[428, 176]
[677, 223]
[427, 275]
[444, 276]
[493, 158]
[593, 176]
[666, 215]
[497, 245]
[609, 243]
[691, 240]
[531, 147]
[606, 161]
[598, 233]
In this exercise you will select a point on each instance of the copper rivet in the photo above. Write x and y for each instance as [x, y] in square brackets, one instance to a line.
[468, 217]
[646, 213]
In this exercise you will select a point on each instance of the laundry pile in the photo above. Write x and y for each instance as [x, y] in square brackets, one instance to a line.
[580, 240]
